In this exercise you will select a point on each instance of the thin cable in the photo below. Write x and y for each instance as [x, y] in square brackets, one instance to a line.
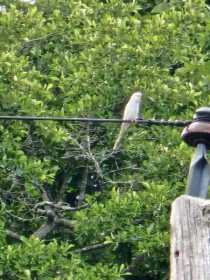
[180, 123]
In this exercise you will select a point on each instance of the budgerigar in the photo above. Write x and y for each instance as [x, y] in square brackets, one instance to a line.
[131, 112]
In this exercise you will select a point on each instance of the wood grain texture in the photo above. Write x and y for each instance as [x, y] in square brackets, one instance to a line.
[190, 239]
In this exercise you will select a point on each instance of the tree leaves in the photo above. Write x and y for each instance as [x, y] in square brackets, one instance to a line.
[85, 59]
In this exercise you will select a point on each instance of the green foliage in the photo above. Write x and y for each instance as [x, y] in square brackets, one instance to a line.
[84, 58]
[35, 260]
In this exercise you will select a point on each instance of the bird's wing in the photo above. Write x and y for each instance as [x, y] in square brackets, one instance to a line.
[131, 112]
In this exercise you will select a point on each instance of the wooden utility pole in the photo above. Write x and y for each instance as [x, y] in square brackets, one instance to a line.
[190, 239]
[190, 216]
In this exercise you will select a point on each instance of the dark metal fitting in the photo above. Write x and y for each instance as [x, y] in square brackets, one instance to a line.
[198, 132]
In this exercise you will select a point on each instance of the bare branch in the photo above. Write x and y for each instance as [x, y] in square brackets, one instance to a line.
[131, 167]
[77, 144]
[92, 157]
[64, 222]
[82, 187]
[59, 205]
[47, 227]
[130, 182]
[88, 154]
[65, 183]
[20, 219]
[50, 225]
[93, 247]
[44, 230]
[13, 235]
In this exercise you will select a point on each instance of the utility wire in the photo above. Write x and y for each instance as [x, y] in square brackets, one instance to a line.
[180, 123]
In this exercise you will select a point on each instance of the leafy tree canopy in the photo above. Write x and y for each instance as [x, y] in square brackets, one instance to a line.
[69, 208]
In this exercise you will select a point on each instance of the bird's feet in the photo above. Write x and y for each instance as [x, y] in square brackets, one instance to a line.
[136, 121]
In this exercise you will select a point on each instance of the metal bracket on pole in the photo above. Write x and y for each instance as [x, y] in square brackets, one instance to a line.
[197, 134]
[198, 178]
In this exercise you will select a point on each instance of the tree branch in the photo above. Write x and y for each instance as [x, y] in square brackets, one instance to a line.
[93, 247]
[65, 183]
[82, 187]
[44, 230]
[60, 206]
[13, 235]
[64, 222]
[92, 157]
[20, 219]
[48, 226]
[88, 154]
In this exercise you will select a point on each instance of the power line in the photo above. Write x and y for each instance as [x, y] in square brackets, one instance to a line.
[179, 123]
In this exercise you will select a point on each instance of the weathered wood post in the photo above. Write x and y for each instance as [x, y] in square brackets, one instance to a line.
[190, 239]
[190, 214]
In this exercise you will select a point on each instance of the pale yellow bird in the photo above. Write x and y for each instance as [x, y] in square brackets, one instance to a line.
[131, 112]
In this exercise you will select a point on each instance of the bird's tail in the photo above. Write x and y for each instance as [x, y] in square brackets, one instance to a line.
[117, 143]
[123, 129]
